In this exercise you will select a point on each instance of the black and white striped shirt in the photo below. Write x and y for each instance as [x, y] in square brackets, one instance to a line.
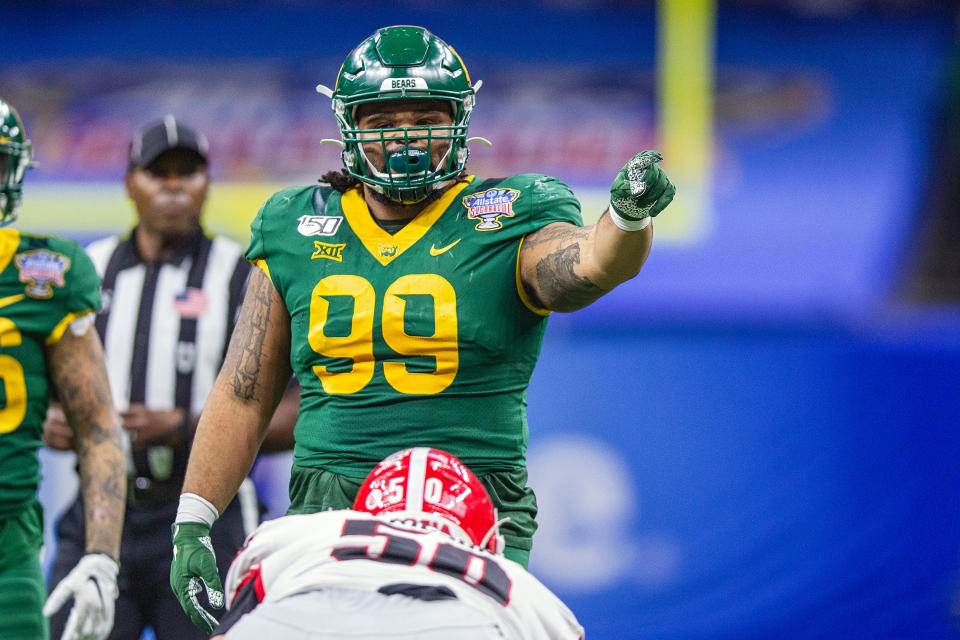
[165, 327]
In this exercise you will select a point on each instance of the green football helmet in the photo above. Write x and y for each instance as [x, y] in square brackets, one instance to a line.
[397, 63]
[16, 156]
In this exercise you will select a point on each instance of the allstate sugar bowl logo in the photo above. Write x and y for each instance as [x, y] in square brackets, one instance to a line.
[489, 205]
[41, 270]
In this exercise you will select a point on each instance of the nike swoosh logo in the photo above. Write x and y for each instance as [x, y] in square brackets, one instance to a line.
[11, 299]
[435, 252]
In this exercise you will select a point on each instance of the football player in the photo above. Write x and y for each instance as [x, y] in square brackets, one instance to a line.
[49, 292]
[420, 555]
[409, 297]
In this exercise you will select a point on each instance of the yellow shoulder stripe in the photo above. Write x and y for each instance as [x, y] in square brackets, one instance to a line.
[260, 262]
[9, 241]
[61, 327]
[522, 292]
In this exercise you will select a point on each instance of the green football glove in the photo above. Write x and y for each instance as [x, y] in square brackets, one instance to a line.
[194, 569]
[640, 191]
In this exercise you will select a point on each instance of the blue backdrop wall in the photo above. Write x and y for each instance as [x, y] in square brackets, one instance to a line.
[750, 481]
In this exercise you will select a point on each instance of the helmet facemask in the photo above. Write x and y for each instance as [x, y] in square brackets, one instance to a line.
[410, 173]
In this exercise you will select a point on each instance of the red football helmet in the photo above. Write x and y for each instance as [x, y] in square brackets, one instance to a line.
[432, 487]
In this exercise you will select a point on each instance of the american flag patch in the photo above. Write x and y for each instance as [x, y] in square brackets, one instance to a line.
[192, 303]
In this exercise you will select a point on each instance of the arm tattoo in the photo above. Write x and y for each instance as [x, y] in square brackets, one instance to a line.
[560, 288]
[79, 376]
[75, 388]
[249, 336]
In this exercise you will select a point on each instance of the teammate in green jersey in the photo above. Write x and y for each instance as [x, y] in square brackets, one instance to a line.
[49, 292]
[409, 297]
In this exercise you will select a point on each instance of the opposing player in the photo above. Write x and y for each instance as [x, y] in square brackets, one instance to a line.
[409, 297]
[418, 557]
[49, 292]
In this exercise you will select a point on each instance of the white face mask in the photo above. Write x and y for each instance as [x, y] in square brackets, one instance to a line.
[5, 172]
[12, 168]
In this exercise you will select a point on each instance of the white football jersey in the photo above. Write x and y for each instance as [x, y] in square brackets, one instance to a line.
[355, 550]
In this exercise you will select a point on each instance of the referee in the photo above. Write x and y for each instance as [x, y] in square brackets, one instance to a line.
[170, 297]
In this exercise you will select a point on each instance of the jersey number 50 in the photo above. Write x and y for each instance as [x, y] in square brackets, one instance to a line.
[358, 344]
[391, 545]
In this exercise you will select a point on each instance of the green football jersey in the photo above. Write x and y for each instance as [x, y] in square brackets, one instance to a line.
[423, 337]
[45, 283]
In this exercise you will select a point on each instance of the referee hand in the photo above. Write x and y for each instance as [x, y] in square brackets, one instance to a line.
[57, 434]
[150, 427]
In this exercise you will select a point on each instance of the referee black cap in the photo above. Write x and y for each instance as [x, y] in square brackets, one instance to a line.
[169, 133]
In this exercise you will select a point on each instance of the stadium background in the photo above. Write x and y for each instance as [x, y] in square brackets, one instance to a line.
[755, 438]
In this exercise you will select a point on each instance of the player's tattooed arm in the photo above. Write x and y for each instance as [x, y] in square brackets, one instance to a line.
[564, 267]
[550, 265]
[79, 375]
[254, 376]
[245, 354]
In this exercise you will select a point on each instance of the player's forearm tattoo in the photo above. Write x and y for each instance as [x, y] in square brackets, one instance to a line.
[77, 390]
[103, 482]
[560, 288]
[80, 379]
[250, 334]
[103, 487]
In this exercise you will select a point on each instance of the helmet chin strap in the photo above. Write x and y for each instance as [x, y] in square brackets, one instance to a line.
[390, 176]
[435, 186]
[495, 532]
